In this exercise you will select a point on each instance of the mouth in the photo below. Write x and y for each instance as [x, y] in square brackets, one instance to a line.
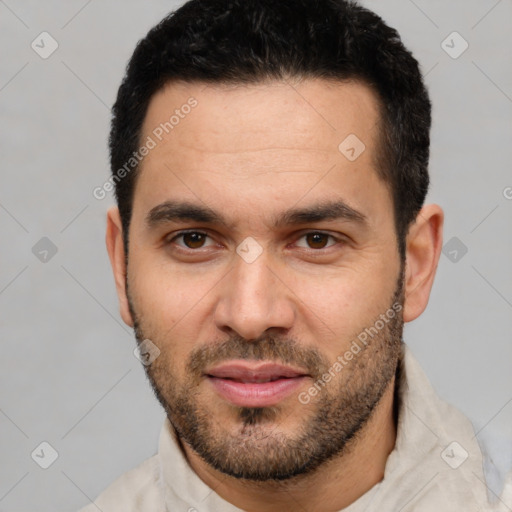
[249, 384]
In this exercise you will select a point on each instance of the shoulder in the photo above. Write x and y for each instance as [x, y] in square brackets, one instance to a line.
[137, 490]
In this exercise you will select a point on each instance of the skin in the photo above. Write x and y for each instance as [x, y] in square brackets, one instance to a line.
[251, 153]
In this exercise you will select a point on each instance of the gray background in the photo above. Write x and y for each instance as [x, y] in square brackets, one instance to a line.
[68, 375]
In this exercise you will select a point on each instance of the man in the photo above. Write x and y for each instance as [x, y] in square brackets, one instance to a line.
[271, 239]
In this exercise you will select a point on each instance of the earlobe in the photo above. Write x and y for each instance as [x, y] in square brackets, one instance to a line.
[116, 253]
[423, 248]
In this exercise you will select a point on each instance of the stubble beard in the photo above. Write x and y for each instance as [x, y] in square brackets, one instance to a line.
[256, 448]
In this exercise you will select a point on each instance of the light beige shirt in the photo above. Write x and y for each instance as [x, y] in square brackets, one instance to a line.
[436, 465]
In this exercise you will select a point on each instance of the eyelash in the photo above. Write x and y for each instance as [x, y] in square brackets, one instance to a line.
[184, 248]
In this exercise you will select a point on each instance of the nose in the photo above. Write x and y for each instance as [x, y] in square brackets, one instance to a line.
[253, 299]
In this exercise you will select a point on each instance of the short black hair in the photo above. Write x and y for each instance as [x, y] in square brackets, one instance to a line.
[251, 41]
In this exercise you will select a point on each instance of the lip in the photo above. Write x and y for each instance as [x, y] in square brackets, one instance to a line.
[259, 384]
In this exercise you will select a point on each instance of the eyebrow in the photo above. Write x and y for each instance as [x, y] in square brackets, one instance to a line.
[176, 211]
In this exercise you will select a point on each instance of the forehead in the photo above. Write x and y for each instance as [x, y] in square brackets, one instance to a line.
[255, 113]
[266, 143]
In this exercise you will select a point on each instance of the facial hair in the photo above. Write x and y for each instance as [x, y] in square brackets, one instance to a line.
[258, 450]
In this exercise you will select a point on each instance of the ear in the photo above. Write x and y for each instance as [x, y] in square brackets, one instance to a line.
[116, 253]
[423, 248]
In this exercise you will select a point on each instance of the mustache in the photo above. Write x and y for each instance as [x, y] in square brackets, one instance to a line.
[277, 349]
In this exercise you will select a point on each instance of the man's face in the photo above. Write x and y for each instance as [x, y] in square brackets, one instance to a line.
[289, 254]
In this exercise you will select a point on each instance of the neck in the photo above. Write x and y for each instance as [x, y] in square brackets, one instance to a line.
[333, 486]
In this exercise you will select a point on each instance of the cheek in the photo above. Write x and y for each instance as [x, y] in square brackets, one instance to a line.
[171, 306]
[341, 304]
[166, 292]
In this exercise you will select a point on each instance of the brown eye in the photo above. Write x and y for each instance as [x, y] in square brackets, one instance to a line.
[194, 240]
[317, 240]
